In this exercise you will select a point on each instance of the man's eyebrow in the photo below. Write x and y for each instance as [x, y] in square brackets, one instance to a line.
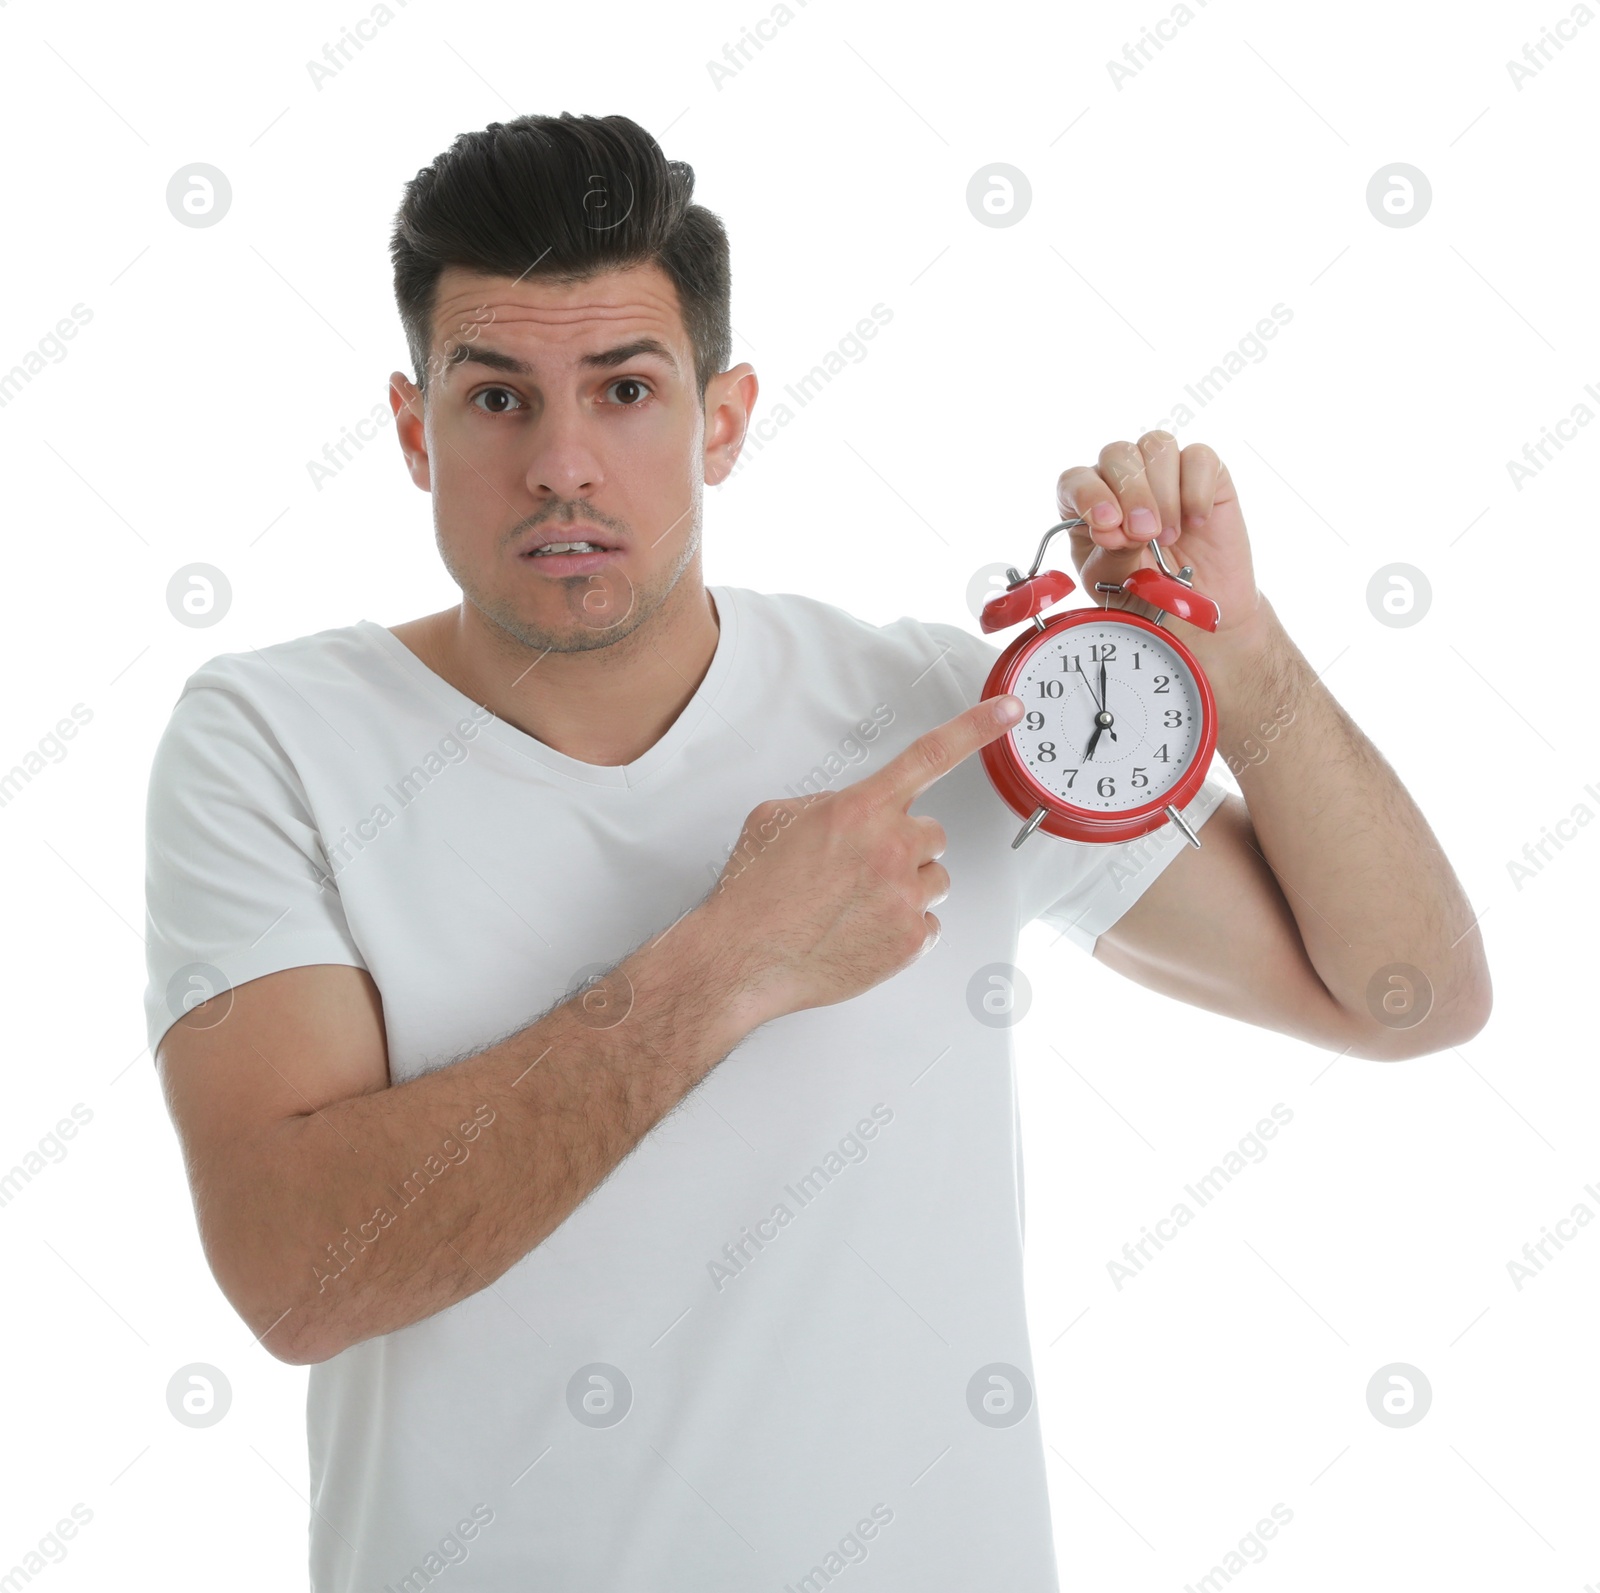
[604, 359]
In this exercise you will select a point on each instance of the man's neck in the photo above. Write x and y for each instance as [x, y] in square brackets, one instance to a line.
[605, 706]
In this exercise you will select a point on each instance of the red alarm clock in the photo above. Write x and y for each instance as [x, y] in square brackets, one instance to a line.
[1119, 721]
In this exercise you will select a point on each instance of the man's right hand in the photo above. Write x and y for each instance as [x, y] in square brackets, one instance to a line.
[292, 1128]
[827, 895]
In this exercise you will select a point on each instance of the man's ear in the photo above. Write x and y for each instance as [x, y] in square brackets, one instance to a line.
[730, 402]
[410, 424]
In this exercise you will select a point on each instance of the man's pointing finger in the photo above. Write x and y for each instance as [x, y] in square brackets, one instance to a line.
[936, 752]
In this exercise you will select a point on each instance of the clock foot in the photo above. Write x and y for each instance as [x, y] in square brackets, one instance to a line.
[1033, 824]
[1183, 824]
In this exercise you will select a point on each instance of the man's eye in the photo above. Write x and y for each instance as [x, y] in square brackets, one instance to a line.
[633, 383]
[501, 392]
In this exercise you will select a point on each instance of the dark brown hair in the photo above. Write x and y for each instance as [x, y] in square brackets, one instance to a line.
[566, 198]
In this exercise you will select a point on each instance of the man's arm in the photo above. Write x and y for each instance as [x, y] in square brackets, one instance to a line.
[1325, 876]
[334, 1207]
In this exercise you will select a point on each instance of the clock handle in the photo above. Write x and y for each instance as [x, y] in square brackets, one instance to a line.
[1038, 558]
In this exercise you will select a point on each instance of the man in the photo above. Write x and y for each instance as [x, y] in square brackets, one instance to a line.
[640, 1234]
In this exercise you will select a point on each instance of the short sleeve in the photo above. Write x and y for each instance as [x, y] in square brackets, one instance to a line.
[237, 883]
[1119, 875]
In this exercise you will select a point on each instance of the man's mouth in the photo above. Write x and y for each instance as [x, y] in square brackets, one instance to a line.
[569, 553]
[549, 548]
[556, 540]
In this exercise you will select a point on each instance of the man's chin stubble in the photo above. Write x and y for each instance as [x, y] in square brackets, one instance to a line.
[581, 635]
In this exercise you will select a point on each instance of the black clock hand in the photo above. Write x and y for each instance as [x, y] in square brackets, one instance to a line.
[1109, 731]
[1099, 702]
[1102, 720]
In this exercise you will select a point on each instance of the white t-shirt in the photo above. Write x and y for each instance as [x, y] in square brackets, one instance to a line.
[785, 1340]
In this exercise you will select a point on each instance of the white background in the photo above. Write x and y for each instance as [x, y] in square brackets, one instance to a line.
[1169, 214]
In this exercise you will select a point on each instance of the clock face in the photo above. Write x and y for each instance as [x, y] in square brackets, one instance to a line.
[1150, 699]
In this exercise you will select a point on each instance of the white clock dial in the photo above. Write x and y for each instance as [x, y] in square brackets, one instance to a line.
[1151, 697]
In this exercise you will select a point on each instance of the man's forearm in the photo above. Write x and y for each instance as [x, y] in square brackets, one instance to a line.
[382, 1209]
[1360, 868]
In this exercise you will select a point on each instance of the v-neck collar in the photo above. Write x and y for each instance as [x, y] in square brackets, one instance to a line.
[558, 763]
